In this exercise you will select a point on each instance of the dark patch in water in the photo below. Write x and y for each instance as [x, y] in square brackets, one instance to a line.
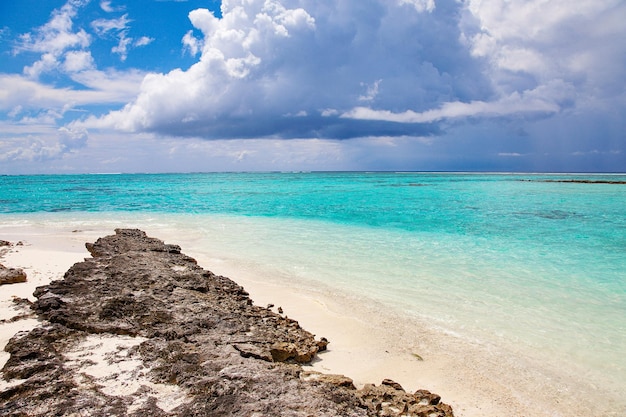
[555, 215]
[411, 184]
[59, 209]
[580, 181]
[552, 214]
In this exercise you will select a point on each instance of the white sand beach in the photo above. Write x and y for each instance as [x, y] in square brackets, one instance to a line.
[368, 343]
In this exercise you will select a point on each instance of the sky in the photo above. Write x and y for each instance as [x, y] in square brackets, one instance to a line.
[106, 86]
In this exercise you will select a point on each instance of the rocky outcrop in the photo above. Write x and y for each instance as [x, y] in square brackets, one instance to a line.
[11, 275]
[141, 329]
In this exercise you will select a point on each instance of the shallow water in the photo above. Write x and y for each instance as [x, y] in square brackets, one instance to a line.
[536, 267]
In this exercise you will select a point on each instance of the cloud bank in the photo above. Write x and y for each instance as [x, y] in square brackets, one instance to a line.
[353, 68]
[415, 84]
[295, 69]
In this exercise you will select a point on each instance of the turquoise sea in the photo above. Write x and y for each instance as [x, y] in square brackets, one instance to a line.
[535, 262]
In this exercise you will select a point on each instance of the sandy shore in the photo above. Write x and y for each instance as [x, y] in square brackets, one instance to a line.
[368, 342]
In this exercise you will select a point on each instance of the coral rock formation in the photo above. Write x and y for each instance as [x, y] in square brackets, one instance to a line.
[141, 329]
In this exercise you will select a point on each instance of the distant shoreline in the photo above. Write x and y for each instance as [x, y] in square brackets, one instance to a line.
[529, 173]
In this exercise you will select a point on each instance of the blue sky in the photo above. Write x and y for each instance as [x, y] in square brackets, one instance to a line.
[239, 85]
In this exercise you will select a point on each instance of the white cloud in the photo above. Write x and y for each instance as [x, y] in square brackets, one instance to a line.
[262, 60]
[104, 87]
[548, 40]
[107, 7]
[65, 49]
[448, 110]
[111, 86]
[122, 47]
[399, 77]
[262, 63]
[53, 39]
[119, 29]
[510, 154]
[420, 5]
[72, 139]
[204, 20]
[104, 26]
[39, 143]
[57, 35]
[234, 50]
[29, 149]
[15, 111]
[34, 150]
[47, 63]
[515, 103]
[191, 43]
[143, 41]
[76, 61]
[372, 91]
[329, 112]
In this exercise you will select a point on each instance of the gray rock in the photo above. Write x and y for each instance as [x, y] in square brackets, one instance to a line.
[193, 332]
[11, 275]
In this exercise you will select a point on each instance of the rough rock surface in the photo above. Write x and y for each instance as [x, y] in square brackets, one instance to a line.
[140, 329]
[11, 275]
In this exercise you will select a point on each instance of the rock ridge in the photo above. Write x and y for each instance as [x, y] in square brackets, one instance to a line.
[10, 275]
[141, 329]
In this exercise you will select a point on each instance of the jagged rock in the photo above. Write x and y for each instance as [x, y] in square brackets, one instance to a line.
[392, 384]
[336, 380]
[390, 399]
[193, 344]
[11, 275]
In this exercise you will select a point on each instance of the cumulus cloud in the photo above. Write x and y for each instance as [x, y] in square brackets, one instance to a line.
[385, 68]
[29, 149]
[71, 139]
[263, 62]
[402, 78]
[76, 61]
[65, 53]
[53, 39]
[33, 109]
[534, 42]
[191, 43]
[41, 143]
[57, 35]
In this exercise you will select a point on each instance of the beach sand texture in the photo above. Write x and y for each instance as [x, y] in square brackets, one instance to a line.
[368, 343]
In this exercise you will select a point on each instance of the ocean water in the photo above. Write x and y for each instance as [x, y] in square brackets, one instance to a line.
[517, 260]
